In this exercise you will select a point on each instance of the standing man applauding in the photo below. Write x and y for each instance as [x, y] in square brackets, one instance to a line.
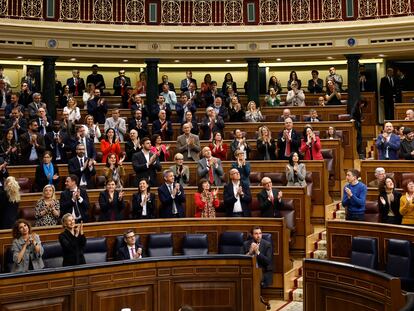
[354, 196]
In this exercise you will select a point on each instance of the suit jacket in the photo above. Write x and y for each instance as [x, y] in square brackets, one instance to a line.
[97, 80]
[41, 179]
[179, 109]
[46, 128]
[166, 206]
[123, 252]
[294, 144]
[261, 149]
[56, 147]
[108, 208]
[117, 85]
[33, 108]
[143, 108]
[406, 147]
[244, 171]
[130, 150]
[8, 109]
[217, 127]
[165, 135]
[98, 112]
[72, 248]
[137, 207]
[393, 146]
[142, 131]
[72, 86]
[183, 147]
[183, 179]
[121, 128]
[229, 199]
[318, 88]
[90, 147]
[171, 87]
[282, 118]
[74, 168]
[395, 206]
[80, 208]
[309, 119]
[184, 84]
[387, 90]
[264, 260]
[267, 208]
[25, 99]
[22, 124]
[8, 98]
[139, 163]
[203, 171]
[26, 147]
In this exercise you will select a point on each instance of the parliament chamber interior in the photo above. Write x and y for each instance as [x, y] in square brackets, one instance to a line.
[223, 155]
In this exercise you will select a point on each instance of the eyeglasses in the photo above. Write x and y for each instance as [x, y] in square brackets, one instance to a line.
[179, 159]
[130, 236]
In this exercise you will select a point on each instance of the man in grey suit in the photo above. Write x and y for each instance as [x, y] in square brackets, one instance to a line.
[117, 123]
[210, 168]
[189, 144]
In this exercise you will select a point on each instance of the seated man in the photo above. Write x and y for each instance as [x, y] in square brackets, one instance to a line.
[354, 196]
[409, 115]
[388, 143]
[407, 145]
[129, 250]
[313, 116]
[262, 249]
[379, 177]
[210, 168]
[188, 144]
[236, 196]
[286, 114]
[162, 126]
[321, 101]
[270, 200]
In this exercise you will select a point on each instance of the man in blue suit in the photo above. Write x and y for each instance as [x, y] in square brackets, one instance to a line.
[172, 197]
[388, 143]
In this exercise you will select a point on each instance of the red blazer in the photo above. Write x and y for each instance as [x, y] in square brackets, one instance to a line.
[316, 149]
[222, 155]
[106, 149]
[200, 205]
[164, 150]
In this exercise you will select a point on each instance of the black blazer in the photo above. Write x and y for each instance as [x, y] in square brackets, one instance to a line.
[90, 147]
[107, 208]
[167, 202]
[229, 199]
[267, 208]
[261, 149]
[71, 83]
[130, 150]
[53, 146]
[156, 129]
[123, 252]
[395, 206]
[74, 168]
[72, 248]
[143, 131]
[137, 208]
[67, 205]
[41, 179]
[139, 163]
[294, 144]
[264, 260]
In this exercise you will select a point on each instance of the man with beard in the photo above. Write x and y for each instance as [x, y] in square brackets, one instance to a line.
[32, 145]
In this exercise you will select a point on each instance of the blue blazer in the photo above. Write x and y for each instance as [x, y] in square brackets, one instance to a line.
[393, 146]
[167, 201]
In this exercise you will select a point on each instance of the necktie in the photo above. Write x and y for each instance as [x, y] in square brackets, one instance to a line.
[132, 252]
[210, 174]
[76, 87]
[272, 198]
[287, 149]
[81, 162]
[174, 207]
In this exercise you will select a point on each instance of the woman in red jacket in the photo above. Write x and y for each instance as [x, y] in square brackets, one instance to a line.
[206, 200]
[218, 147]
[310, 145]
[110, 144]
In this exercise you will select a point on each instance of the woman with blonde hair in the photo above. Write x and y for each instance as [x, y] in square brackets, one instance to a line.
[94, 132]
[10, 198]
[73, 110]
[266, 145]
[47, 210]
[253, 114]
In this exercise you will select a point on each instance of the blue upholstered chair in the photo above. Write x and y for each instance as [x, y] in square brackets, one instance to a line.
[364, 252]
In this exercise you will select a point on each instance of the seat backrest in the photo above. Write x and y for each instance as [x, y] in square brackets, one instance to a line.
[25, 184]
[278, 179]
[405, 178]
[255, 178]
[160, 244]
[119, 242]
[100, 181]
[195, 244]
[8, 260]
[372, 213]
[344, 117]
[288, 212]
[399, 258]
[95, 250]
[52, 255]
[231, 243]
[364, 252]
[28, 213]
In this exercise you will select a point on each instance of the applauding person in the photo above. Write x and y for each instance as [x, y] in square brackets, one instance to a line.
[206, 200]
[295, 171]
[266, 145]
[111, 203]
[181, 172]
[218, 147]
[310, 145]
[270, 200]
[47, 210]
[407, 205]
[210, 168]
[143, 202]
[73, 241]
[172, 197]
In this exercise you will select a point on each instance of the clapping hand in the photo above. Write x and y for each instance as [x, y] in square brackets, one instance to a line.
[215, 191]
[382, 201]
[348, 192]
[279, 195]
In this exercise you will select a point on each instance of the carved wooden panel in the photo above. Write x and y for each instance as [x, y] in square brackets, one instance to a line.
[50, 304]
[138, 298]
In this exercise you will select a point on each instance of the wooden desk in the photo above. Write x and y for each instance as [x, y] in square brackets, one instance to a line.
[407, 96]
[400, 109]
[334, 286]
[301, 203]
[179, 227]
[391, 166]
[231, 283]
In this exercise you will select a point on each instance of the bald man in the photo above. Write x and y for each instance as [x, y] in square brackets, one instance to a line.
[270, 199]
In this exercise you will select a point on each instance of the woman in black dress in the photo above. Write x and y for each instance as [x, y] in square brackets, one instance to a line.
[72, 241]
[111, 202]
[143, 202]
[9, 198]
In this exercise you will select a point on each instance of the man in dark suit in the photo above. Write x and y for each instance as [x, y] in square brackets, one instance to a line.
[146, 164]
[185, 83]
[82, 167]
[96, 78]
[32, 145]
[288, 140]
[138, 123]
[388, 91]
[81, 138]
[162, 126]
[17, 123]
[76, 84]
[262, 249]
[270, 200]
[164, 79]
[130, 249]
[74, 200]
[313, 116]
[193, 96]
[315, 85]
[236, 196]
[211, 124]
[121, 83]
[14, 103]
[183, 106]
[97, 107]
[286, 114]
[171, 196]
[138, 104]
[44, 121]
[57, 142]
